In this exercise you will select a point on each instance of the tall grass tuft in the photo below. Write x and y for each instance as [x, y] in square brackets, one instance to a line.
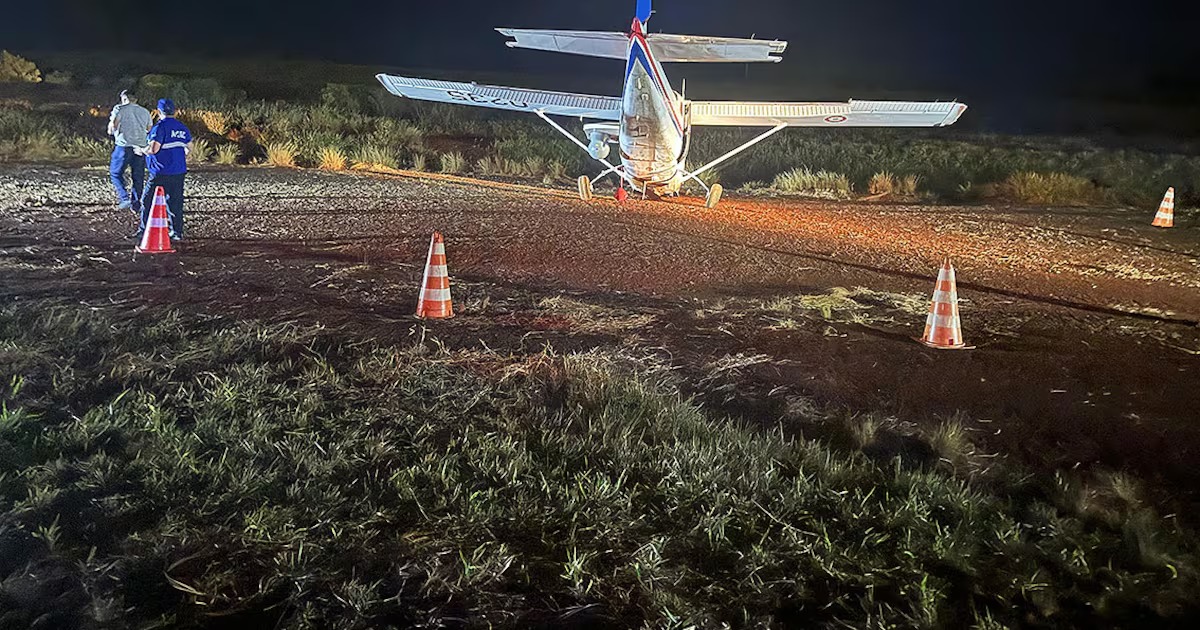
[818, 184]
[373, 156]
[227, 154]
[201, 150]
[453, 162]
[282, 154]
[1052, 189]
[332, 158]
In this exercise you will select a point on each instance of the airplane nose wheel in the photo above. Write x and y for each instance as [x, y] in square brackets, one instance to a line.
[714, 196]
[585, 188]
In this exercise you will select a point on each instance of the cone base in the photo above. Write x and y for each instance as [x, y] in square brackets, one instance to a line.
[153, 251]
[930, 344]
[431, 316]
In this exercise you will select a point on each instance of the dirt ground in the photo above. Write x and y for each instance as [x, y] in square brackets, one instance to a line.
[1086, 322]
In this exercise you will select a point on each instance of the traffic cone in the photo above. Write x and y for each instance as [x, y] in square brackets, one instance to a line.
[1165, 217]
[621, 195]
[942, 327]
[157, 238]
[434, 302]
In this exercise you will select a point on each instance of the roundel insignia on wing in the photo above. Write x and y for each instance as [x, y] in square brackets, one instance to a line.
[835, 119]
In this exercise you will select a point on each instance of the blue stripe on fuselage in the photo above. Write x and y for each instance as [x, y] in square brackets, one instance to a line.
[638, 54]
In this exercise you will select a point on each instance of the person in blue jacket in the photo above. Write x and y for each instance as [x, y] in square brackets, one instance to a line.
[166, 158]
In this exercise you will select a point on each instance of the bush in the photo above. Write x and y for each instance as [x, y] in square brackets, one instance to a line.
[201, 150]
[819, 184]
[374, 156]
[16, 69]
[332, 159]
[282, 153]
[1053, 189]
[453, 163]
[227, 154]
[882, 183]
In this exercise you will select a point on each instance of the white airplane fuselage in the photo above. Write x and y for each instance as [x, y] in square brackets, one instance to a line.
[653, 132]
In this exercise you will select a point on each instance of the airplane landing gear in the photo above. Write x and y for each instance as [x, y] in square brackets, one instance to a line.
[585, 188]
[714, 196]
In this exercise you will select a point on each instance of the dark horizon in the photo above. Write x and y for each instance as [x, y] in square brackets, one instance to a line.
[1021, 47]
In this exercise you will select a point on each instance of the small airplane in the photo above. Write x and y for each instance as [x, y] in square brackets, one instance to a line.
[651, 123]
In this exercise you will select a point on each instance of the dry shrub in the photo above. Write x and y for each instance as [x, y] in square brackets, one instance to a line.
[200, 152]
[227, 154]
[282, 153]
[882, 183]
[332, 159]
[1052, 189]
[18, 69]
[453, 163]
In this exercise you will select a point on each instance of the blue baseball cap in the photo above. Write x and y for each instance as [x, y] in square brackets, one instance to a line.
[166, 106]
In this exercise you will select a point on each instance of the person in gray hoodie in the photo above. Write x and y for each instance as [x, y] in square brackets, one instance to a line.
[128, 125]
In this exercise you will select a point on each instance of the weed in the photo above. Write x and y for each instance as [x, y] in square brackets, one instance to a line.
[14, 68]
[453, 162]
[375, 156]
[419, 163]
[227, 154]
[1053, 189]
[882, 183]
[332, 159]
[820, 184]
[201, 151]
[282, 154]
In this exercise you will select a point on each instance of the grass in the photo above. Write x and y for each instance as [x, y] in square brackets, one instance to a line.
[282, 154]
[227, 154]
[818, 184]
[333, 159]
[376, 157]
[453, 162]
[1052, 189]
[183, 472]
[201, 151]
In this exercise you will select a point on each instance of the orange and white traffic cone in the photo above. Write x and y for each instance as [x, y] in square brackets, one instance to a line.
[621, 195]
[157, 238]
[942, 327]
[1165, 217]
[434, 302]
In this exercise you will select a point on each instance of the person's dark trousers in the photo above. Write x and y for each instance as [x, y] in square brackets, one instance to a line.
[124, 158]
[173, 186]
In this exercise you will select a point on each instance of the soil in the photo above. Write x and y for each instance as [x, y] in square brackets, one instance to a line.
[1084, 321]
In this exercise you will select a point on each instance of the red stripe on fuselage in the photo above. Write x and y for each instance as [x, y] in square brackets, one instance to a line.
[637, 38]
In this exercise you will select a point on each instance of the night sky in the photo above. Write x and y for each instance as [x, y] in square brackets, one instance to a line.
[1108, 48]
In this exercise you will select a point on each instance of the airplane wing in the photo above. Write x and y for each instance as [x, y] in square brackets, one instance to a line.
[851, 114]
[511, 99]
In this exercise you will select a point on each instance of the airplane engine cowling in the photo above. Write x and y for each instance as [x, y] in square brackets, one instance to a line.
[598, 145]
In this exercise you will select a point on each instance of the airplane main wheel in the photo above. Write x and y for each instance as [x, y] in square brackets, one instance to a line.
[585, 188]
[714, 196]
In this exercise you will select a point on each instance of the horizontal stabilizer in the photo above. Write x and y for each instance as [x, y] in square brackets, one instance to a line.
[851, 114]
[507, 98]
[667, 48]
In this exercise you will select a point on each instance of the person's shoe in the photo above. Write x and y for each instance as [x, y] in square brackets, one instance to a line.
[125, 205]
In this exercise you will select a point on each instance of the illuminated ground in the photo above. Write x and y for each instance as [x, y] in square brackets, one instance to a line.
[1085, 320]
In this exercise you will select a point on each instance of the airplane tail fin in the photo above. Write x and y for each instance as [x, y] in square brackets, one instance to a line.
[644, 11]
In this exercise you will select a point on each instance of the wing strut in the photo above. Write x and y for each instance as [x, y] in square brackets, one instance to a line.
[759, 138]
[611, 169]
